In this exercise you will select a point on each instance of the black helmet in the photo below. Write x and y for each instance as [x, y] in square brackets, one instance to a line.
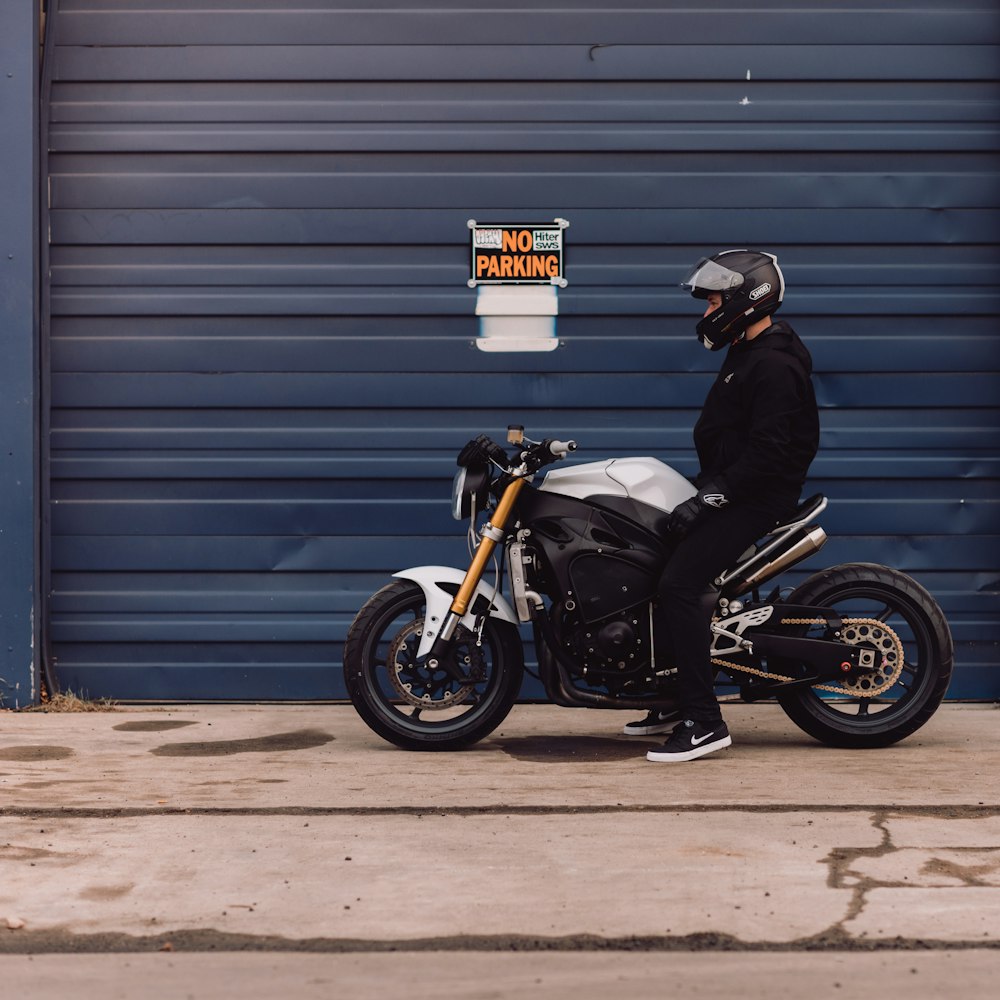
[752, 287]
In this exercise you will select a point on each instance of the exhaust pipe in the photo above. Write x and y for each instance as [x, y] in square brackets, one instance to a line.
[799, 545]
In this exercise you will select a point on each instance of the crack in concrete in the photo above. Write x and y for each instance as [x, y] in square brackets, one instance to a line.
[55, 942]
[841, 863]
[842, 876]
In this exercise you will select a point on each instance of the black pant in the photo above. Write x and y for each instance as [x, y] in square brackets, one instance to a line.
[710, 547]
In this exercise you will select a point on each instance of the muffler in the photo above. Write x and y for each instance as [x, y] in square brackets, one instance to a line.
[774, 559]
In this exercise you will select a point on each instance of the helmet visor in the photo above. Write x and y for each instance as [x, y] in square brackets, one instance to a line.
[710, 276]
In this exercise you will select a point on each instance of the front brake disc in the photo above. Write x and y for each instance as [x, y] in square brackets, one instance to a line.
[419, 685]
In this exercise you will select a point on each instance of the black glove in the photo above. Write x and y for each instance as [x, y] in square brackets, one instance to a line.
[684, 516]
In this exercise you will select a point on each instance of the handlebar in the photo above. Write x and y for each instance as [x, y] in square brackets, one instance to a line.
[483, 450]
[546, 452]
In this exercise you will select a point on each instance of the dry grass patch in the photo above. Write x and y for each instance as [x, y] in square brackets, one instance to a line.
[67, 701]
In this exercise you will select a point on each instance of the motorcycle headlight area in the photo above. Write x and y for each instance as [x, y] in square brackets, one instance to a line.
[471, 482]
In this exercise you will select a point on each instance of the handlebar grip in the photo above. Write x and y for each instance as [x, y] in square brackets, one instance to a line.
[560, 449]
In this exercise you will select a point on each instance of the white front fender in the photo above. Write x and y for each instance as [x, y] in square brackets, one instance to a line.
[429, 579]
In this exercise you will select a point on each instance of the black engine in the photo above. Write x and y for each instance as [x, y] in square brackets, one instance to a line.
[613, 653]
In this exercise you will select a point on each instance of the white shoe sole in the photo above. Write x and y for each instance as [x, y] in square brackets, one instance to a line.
[693, 754]
[659, 727]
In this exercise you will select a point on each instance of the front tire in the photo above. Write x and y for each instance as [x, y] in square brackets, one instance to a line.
[868, 591]
[415, 707]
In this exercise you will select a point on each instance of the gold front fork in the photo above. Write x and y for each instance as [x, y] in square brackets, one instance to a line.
[492, 533]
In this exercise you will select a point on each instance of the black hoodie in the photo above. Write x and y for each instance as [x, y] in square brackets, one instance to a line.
[759, 428]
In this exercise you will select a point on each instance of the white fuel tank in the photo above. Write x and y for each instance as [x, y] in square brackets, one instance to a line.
[647, 480]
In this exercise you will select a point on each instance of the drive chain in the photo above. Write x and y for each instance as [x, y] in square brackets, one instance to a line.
[888, 670]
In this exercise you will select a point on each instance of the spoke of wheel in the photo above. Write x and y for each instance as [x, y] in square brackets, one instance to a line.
[438, 688]
[907, 669]
[415, 714]
[863, 706]
[886, 613]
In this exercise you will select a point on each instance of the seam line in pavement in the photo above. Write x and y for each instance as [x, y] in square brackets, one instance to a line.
[56, 942]
[126, 812]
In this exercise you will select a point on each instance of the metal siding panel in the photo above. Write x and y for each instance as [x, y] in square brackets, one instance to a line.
[328, 184]
[151, 24]
[948, 267]
[212, 515]
[20, 660]
[854, 352]
[377, 227]
[368, 553]
[854, 464]
[371, 104]
[405, 390]
[310, 301]
[869, 61]
[242, 393]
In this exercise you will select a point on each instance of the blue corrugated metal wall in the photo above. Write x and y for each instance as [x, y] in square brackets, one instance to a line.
[260, 334]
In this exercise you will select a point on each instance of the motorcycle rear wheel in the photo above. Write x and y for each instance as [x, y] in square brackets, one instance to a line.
[412, 706]
[866, 590]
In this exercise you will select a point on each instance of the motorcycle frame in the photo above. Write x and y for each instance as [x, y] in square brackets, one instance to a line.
[473, 600]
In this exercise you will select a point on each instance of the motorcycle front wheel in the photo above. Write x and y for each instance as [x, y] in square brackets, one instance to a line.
[416, 707]
[908, 631]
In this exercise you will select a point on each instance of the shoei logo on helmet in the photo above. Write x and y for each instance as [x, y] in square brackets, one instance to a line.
[760, 290]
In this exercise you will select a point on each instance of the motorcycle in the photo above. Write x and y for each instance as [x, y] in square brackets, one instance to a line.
[858, 655]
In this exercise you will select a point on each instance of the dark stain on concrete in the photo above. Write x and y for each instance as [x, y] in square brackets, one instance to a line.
[18, 852]
[153, 725]
[300, 739]
[241, 781]
[105, 893]
[48, 784]
[573, 749]
[971, 875]
[35, 752]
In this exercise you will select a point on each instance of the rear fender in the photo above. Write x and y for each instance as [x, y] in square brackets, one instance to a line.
[430, 580]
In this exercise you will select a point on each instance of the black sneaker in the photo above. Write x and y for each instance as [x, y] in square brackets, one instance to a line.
[691, 740]
[660, 720]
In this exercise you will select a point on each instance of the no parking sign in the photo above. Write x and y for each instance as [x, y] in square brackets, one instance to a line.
[517, 253]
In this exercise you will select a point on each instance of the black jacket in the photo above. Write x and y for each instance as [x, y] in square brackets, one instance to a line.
[759, 428]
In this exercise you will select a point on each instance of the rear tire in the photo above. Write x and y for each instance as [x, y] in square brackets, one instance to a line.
[866, 590]
[415, 707]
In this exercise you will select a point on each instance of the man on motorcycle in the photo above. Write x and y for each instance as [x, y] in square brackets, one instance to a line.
[756, 437]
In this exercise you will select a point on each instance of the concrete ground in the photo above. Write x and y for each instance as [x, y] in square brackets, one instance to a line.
[258, 851]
